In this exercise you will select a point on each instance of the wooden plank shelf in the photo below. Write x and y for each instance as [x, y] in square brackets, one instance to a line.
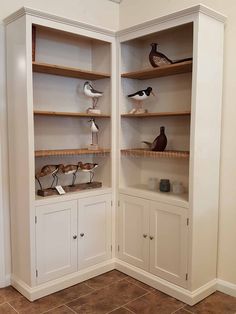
[67, 71]
[140, 152]
[156, 114]
[172, 69]
[70, 114]
[72, 152]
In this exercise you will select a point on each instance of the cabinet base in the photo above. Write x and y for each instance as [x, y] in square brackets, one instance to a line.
[182, 294]
[71, 188]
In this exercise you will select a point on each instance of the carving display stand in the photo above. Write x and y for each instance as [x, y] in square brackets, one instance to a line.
[70, 188]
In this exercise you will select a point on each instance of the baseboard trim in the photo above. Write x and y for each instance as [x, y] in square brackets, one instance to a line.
[226, 287]
[6, 282]
[173, 290]
[34, 293]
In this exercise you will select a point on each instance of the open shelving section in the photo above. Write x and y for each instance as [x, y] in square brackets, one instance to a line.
[169, 107]
[62, 63]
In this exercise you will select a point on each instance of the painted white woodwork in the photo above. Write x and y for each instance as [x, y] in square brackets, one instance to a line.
[94, 230]
[56, 240]
[168, 242]
[153, 236]
[134, 231]
[197, 31]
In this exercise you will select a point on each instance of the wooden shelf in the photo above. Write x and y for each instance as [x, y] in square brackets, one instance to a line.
[70, 114]
[155, 114]
[71, 152]
[67, 71]
[173, 69]
[139, 152]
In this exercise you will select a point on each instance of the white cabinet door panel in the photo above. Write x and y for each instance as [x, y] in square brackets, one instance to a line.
[134, 231]
[56, 243]
[168, 242]
[94, 234]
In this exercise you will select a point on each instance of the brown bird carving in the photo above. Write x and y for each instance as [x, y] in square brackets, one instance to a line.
[71, 169]
[160, 142]
[87, 167]
[49, 170]
[158, 59]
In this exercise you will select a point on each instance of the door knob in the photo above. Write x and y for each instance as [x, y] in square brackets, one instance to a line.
[82, 234]
[151, 237]
[75, 237]
[145, 235]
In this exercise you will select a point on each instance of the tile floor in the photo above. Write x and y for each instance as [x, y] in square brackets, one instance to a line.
[113, 293]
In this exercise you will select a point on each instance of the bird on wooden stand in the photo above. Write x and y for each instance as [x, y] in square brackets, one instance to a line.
[94, 130]
[49, 170]
[138, 97]
[94, 94]
[71, 169]
[158, 59]
[87, 167]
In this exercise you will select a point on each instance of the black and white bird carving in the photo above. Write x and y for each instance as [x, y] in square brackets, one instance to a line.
[138, 97]
[142, 94]
[92, 93]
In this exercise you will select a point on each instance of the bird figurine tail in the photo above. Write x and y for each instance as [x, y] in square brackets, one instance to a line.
[148, 144]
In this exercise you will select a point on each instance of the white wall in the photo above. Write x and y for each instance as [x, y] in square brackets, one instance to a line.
[146, 10]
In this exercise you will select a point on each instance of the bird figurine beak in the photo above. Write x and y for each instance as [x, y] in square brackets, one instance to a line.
[153, 94]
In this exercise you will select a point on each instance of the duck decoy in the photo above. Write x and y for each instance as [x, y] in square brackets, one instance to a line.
[138, 97]
[94, 94]
[158, 59]
[71, 169]
[49, 170]
[88, 167]
[160, 142]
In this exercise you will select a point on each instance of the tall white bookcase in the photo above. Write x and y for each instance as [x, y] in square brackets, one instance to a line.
[168, 241]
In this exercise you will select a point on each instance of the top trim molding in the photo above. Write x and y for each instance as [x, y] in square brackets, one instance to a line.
[200, 8]
[55, 18]
[188, 11]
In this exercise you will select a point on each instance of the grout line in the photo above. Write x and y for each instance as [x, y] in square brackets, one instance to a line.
[128, 310]
[70, 309]
[139, 286]
[96, 289]
[182, 308]
[123, 305]
[12, 307]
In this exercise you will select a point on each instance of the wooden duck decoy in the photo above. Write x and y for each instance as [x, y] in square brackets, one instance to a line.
[160, 142]
[88, 167]
[71, 169]
[158, 59]
[139, 96]
[49, 170]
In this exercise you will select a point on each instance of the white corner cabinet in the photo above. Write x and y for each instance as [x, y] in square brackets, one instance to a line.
[168, 241]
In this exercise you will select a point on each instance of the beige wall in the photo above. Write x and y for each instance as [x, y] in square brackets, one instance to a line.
[88, 11]
[149, 9]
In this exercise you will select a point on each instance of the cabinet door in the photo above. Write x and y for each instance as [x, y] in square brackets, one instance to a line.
[134, 231]
[94, 233]
[56, 243]
[168, 242]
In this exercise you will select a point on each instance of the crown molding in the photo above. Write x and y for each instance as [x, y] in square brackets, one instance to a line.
[200, 8]
[55, 18]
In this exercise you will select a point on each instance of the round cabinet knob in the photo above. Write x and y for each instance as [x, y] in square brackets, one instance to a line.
[82, 234]
[145, 235]
[75, 237]
[151, 237]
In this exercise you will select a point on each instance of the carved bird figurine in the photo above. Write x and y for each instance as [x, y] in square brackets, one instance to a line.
[138, 97]
[49, 170]
[87, 167]
[160, 142]
[94, 130]
[71, 169]
[94, 94]
[158, 59]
